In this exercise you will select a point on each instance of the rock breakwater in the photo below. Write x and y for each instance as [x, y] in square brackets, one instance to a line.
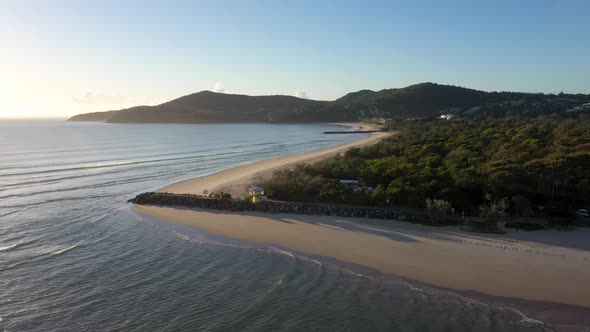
[274, 207]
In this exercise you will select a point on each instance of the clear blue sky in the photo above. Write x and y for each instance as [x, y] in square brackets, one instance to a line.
[66, 57]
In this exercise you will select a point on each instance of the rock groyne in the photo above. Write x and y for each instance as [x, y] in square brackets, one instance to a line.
[274, 207]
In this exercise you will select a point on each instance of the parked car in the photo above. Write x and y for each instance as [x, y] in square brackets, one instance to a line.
[582, 213]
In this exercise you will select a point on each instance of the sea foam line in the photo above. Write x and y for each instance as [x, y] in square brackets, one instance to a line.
[119, 164]
[59, 252]
[6, 248]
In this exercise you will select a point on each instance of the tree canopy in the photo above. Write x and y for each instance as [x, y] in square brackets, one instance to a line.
[482, 166]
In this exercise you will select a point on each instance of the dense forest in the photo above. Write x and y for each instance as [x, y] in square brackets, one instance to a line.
[482, 166]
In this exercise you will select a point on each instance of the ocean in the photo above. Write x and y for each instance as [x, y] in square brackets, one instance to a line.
[75, 257]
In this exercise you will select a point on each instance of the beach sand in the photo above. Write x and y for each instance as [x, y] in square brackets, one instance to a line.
[236, 180]
[548, 266]
[525, 265]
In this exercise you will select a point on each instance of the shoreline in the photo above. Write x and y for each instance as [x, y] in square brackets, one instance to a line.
[549, 268]
[237, 179]
[510, 266]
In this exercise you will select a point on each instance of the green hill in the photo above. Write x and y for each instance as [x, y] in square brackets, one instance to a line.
[424, 99]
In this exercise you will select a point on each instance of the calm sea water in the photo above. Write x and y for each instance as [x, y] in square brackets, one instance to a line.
[74, 257]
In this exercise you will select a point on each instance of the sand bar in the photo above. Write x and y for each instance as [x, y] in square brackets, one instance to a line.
[236, 180]
[546, 266]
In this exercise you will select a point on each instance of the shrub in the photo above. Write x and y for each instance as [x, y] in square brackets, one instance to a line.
[220, 195]
[524, 226]
[438, 205]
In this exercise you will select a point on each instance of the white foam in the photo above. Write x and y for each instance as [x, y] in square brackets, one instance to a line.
[182, 236]
[524, 319]
[4, 248]
[198, 241]
[226, 244]
[59, 252]
[282, 252]
[310, 260]
[352, 272]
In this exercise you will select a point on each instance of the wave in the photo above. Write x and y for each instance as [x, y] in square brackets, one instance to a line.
[223, 244]
[15, 245]
[156, 174]
[38, 257]
[281, 252]
[310, 260]
[31, 184]
[352, 272]
[182, 236]
[524, 319]
[120, 181]
[9, 213]
[60, 200]
[143, 153]
[12, 246]
[138, 150]
[61, 251]
[120, 164]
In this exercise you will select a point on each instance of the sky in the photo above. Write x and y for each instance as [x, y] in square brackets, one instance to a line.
[60, 58]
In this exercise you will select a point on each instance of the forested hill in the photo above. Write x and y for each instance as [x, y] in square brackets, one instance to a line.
[425, 99]
[211, 107]
[420, 100]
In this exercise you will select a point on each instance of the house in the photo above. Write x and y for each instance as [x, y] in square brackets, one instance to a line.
[579, 108]
[359, 189]
[354, 185]
[349, 182]
[256, 194]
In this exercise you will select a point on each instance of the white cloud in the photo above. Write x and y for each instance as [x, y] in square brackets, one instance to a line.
[301, 94]
[91, 98]
[219, 87]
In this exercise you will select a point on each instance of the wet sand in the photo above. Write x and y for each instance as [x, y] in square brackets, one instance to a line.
[518, 265]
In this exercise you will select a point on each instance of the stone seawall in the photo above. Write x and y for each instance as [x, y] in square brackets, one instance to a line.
[195, 201]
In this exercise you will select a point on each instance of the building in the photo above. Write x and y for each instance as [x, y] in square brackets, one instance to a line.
[354, 185]
[349, 182]
[256, 194]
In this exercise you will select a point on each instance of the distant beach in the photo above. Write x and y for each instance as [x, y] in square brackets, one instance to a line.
[236, 180]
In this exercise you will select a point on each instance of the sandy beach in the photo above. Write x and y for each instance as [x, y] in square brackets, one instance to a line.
[547, 266]
[542, 266]
[236, 180]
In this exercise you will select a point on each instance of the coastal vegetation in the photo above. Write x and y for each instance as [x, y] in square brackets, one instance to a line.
[480, 166]
[419, 100]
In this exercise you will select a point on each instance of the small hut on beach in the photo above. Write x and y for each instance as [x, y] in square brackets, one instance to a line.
[256, 194]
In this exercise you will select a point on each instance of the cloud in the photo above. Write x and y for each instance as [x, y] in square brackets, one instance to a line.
[219, 87]
[91, 98]
[301, 94]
